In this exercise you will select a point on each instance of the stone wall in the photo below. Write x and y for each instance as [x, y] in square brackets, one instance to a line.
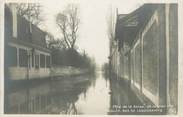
[67, 71]
[21, 73]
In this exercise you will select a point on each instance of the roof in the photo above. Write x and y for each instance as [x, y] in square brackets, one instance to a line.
[121, 16]
[31, 45]
[129, 26]
[34, 36]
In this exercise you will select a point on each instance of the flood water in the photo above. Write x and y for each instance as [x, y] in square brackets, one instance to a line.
[86, 94]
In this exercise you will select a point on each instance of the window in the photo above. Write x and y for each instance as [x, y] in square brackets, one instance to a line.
[37, 61]
[42, 60]
[12, 56]
[23, 58]
[47, 61]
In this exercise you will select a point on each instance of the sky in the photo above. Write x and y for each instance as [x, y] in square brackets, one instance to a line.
[93, 36]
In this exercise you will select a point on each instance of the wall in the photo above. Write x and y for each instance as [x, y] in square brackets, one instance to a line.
[20, 73]
[145, 57]
[157, 50]
[150, 75]
[153, 58]
[173, 55]
[67, 71]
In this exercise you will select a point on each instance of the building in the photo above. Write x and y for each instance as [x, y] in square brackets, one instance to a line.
[145, 54]
[26, 54]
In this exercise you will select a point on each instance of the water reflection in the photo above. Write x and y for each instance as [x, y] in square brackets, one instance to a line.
[121, 97]
[87, 94]
[55, 96]
[62, 96]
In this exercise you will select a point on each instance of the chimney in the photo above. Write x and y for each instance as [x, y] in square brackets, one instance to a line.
[14, 18]
[117, 11]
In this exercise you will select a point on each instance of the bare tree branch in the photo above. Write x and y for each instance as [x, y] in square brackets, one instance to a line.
[68, 22]
[31, 11]
[57, 43]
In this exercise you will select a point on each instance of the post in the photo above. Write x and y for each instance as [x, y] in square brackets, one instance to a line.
[167, 52]
[28, 58]
[142, 64]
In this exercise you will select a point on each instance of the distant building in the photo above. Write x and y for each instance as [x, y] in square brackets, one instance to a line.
[26, 54]
[145, 53]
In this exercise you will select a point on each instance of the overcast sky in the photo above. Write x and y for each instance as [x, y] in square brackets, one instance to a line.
[93, 27]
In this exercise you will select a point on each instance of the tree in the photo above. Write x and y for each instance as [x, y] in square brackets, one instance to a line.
[31, 11]
[68, 22]
[53, 42]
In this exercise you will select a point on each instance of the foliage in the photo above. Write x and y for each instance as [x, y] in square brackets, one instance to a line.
[70, 57]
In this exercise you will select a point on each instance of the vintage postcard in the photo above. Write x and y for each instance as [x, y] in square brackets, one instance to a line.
[91, 57]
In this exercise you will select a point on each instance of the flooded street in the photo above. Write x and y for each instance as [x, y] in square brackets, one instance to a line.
[81, 57]
[86, 94]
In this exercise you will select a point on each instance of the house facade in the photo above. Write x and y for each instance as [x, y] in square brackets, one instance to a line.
[26, 53]
[145, 54]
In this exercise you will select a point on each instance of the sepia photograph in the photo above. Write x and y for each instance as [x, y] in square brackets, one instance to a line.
[81, 57]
